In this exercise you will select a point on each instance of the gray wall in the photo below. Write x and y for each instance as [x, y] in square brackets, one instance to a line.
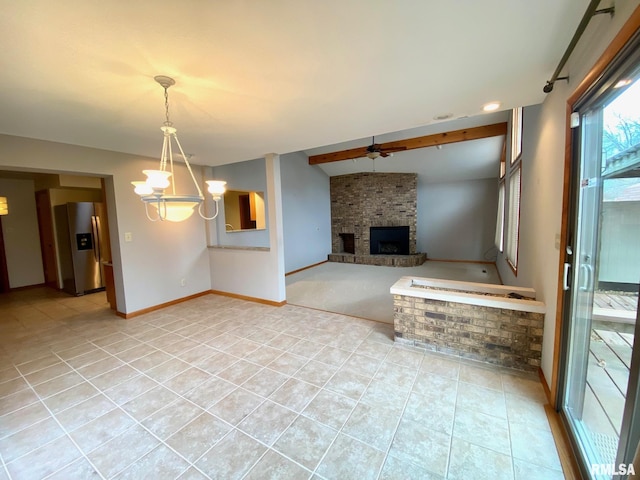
[456, 221]
[306, 210]
[21, 234]
[532, 212]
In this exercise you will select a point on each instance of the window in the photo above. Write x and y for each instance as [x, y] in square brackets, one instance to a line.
[513, 221]
[510, 200]
[516, 134]
[500, 220]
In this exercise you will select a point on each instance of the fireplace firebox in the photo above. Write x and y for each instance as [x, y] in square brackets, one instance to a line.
[348, 242]
[389, 240]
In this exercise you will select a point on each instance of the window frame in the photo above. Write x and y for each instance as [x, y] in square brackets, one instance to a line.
[500, 221]
[516, 134]
[512, 250]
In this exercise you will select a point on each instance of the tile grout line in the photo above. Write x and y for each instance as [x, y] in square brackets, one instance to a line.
[100, 392]
[298, 415]
[192, 464]
[65, 433]
[404, 408]
[287, 326]
[315, 470]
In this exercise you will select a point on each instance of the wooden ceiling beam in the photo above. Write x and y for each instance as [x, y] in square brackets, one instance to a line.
[454, 136]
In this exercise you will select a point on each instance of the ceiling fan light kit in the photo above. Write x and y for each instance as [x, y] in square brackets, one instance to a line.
[173, 207]
[376, 150]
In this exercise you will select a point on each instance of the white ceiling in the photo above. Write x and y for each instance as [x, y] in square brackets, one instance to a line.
[268, 76]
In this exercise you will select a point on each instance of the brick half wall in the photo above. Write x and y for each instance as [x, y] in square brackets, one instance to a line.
[509, 338]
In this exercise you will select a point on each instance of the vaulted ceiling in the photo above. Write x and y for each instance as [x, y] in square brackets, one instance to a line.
[272, 76]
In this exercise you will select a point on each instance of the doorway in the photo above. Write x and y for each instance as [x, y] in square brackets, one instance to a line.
[601, 354]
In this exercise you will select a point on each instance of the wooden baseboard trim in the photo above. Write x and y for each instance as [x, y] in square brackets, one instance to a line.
[565, 452]
[28, 287]
[479, 262]
[249, 299]
[498, 272]
[137, 313]
[546, 389]
[305, 268]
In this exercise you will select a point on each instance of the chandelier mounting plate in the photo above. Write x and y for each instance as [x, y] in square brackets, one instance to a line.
[165, 81]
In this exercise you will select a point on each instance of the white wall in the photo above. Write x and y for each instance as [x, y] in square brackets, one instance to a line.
[456, 221]
[21, 234]
[148, 270]
[542, 180]
[306, 205]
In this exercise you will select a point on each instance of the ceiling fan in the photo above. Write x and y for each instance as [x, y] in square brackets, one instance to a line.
[376, 150]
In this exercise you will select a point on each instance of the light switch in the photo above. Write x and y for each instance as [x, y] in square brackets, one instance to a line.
[128, 237]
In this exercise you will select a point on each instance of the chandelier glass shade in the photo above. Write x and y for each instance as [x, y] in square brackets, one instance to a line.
[173, 206]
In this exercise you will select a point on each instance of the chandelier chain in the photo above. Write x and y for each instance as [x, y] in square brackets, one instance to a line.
[166, 107]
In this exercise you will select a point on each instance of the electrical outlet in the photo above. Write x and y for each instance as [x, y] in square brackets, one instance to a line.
[183, 282]
[128, 237]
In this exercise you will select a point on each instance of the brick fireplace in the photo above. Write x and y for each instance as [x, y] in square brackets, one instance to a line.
[373, 219]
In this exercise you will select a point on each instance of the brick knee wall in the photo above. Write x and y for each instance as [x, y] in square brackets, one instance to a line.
[509, 338]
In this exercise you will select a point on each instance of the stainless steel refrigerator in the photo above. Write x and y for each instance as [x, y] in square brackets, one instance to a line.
[80, 240]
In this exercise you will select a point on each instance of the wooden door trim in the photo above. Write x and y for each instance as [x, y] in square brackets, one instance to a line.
[44, 197]
[628, 30]
[4, 272]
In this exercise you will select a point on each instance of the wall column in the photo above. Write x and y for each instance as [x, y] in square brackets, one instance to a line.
[276, 232]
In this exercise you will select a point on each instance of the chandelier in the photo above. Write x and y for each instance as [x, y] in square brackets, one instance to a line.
[172, 207]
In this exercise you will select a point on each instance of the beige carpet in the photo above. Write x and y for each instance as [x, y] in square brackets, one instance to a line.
[363, 290]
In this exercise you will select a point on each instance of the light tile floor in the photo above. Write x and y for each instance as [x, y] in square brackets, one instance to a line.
[226, 389]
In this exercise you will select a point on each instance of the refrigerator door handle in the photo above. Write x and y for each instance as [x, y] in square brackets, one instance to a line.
[94, 231]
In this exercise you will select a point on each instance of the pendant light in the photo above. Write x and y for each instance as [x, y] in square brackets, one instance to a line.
[173, 207]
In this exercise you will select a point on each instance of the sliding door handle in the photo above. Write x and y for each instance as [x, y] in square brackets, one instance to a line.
[565, 276]
[587, 279]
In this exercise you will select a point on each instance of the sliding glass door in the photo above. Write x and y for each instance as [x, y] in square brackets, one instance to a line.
[601, 355]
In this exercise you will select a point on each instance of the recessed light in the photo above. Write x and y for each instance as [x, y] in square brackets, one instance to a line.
[491, 107]
[623, 83]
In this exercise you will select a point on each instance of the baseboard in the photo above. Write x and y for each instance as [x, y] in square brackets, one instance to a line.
[479, 262]
[249, 299]
[27, 287]
[565, 452]
[305, 268]
[545, 386]
[137, 313]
